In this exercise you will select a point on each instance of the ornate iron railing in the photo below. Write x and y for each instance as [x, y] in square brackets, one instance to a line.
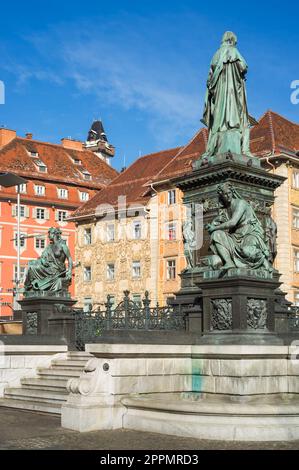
[293, 318]
[128, 315]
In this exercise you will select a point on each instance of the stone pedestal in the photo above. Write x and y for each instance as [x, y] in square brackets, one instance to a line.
[49, 315]
[239, 304]
[239, 309]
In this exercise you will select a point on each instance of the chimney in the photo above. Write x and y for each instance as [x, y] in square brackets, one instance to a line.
[6, 136]
[29, 135]
[69, 143]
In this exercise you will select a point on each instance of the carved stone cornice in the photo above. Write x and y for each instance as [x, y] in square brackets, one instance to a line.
[228, 170]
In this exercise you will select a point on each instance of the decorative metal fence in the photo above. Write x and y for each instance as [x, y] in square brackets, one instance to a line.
[293, 319]
[128, 315]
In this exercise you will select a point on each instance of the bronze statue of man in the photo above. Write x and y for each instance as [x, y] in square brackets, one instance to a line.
[225, 113]
[49, 272]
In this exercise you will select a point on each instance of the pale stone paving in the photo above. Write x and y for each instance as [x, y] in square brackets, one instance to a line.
[26, 430]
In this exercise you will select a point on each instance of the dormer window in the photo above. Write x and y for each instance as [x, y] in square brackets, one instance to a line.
[77, 161]
[86, 175]
[41, 166]
[33, 153]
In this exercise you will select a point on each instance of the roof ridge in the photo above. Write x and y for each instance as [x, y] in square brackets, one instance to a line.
[120, 174]
[157, 153]
[282, 117]
[125, 182]
[181, 150]
[272, 134]
[51, 144]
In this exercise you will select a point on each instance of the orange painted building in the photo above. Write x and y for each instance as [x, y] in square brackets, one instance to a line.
[60, 178]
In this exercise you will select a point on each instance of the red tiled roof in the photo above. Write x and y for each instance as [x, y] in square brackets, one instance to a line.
[131, 183]
[182, 163]
[15, 157]
[273, 133]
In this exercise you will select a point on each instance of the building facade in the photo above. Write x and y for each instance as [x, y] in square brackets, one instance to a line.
[59, 179]
[160, 253]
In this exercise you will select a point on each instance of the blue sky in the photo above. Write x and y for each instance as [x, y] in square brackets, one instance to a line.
[140, 66]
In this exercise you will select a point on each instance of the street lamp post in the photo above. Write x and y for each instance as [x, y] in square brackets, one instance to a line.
[8, 180]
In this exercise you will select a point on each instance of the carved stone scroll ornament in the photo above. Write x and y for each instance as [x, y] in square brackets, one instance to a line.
[87, 383]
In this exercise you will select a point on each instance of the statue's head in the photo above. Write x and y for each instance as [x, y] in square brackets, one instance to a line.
[229, 39]
[54, 233]
[226, 192]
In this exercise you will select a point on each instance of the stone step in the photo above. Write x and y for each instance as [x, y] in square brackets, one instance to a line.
[79, 354]
[31, 405]
[23, 393]
[58, 373]
[45, 384]
[69, 364]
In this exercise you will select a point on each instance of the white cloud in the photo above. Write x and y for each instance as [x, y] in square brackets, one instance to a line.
[135, 69]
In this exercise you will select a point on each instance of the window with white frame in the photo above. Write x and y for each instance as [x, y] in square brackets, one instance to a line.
[87, 273]
[62, 193]
[137, 230]
[110, 232]
[296, 179]
[40, 243]
[61, 216]
[22, 273]
[170, 269]
[87, 236]
[110, 271]
[171, 231]
[296, 261]
[33, 153]
[171, 196]
[136, 269]
[22, 188]
[40, 213]
[39, 190]
[23, 212]
[296, 298]
[296, 218]
[22, 240]
[84, 196]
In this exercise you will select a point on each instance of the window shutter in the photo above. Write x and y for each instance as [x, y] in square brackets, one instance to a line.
[27, 211]
[34, 213]
[56, 215]
[14, 210]
[47, 214]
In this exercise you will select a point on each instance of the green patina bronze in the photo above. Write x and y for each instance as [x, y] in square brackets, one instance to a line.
[49, 272]
[225, 111]
[237, 237]
[189, 242]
